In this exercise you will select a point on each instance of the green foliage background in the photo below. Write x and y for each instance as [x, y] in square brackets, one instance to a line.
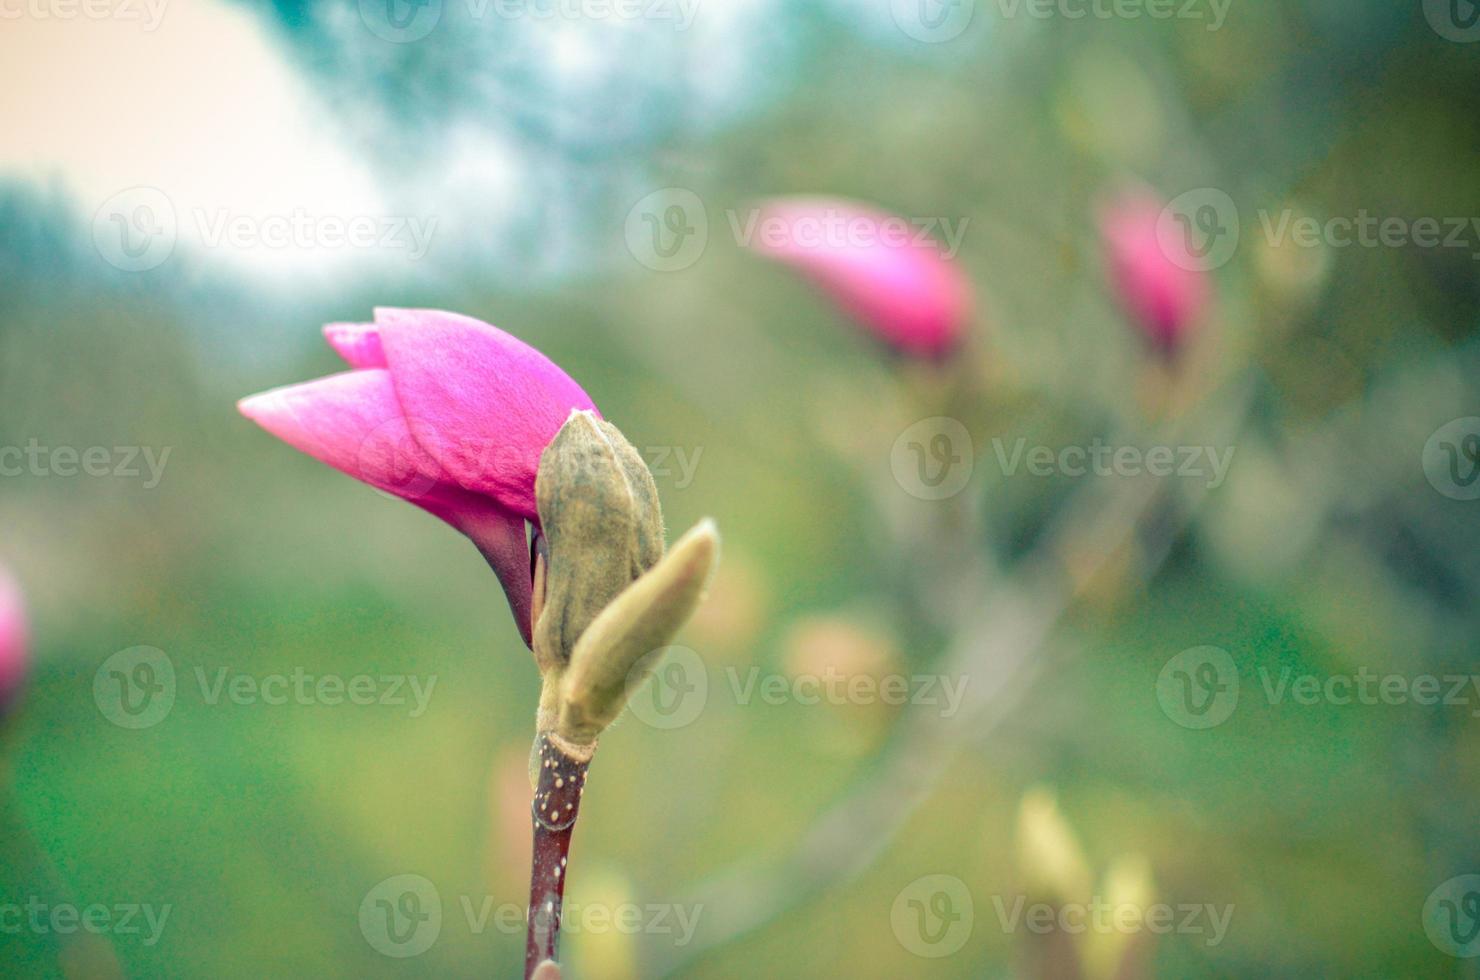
[1326, 827]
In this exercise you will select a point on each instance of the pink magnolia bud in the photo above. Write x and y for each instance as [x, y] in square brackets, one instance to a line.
[442, 410]
[1154, 274]
[14, 647]
[896, 282]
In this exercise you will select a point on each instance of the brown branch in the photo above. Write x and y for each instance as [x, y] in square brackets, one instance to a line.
[557, 803]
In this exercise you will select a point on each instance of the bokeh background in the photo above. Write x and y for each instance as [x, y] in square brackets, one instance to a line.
[527, 144]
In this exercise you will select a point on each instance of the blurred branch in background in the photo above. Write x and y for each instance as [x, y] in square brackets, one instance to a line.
[999, 644]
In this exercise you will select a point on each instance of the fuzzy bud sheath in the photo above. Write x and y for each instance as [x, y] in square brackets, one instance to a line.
[605, 597]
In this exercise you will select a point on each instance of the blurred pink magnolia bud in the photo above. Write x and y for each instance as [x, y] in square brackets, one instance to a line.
[14, 647]
[1152, 270]
[883, 270]
[442, 410]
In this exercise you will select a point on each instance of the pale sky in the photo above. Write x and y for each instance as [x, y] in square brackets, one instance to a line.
[197, 102]
[190, 97]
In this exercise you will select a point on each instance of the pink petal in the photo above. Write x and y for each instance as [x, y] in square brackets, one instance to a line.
[874, 266]
[1154, 277]
[500, 537]
[353, 422]
[483, 403]
[357, 343]
[13, 639]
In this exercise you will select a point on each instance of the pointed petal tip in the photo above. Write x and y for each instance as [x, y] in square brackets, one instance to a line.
[357, 343]
[266, 408]
[256, 407]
